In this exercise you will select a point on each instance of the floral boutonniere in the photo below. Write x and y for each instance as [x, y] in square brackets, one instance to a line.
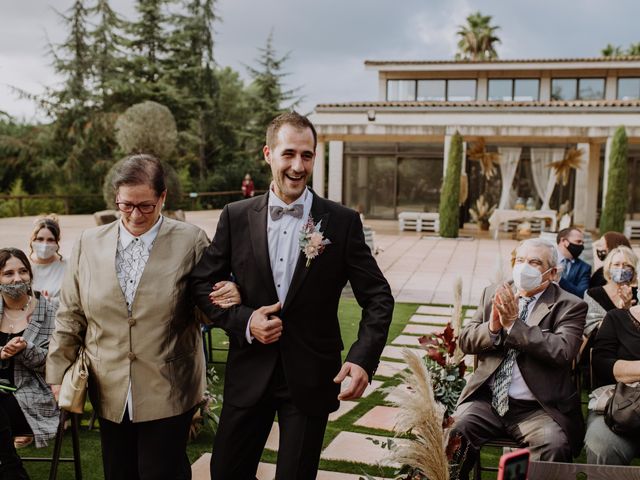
[312, 242]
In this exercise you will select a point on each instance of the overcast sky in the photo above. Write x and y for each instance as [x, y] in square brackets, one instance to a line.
[329, 40]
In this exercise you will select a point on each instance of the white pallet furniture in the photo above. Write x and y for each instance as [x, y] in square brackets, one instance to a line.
[419, 221]
[632, 229]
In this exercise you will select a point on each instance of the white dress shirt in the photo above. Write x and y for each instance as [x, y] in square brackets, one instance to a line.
[129, 270]
[519, 388]
[283, 237]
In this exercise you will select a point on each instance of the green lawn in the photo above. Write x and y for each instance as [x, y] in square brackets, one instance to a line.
[349, 314]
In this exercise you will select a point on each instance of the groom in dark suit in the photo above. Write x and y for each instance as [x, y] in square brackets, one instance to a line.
[291, 253]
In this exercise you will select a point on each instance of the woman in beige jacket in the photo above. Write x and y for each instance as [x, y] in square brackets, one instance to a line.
[125, 298]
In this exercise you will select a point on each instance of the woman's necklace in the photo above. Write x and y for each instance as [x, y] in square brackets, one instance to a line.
[19, 319]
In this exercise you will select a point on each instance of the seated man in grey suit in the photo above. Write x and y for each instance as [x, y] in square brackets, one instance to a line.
[526, 336]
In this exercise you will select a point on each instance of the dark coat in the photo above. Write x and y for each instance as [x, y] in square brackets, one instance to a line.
[310, 345]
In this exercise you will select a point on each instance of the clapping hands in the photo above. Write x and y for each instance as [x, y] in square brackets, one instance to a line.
[504, 310]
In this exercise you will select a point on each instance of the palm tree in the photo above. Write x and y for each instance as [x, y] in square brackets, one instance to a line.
[477, 38]
[612, 51]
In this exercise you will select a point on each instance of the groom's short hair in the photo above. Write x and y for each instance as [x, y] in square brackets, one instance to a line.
[294, 119]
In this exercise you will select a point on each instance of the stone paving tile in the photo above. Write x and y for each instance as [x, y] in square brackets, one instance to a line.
[266, 471]
[394, 395]
[390, 369]
[326, 475]
[381, 417]
[355, 447]
[200, 469]
[345, 407]
[409, 340]
[422, 329]
[396, 352]
[274, 438]
[434, 310]
[431, 319]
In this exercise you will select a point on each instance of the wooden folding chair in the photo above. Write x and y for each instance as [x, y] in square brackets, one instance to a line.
[55, 459]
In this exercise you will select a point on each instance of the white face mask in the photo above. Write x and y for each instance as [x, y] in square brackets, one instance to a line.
[44, 251]
[526, 277]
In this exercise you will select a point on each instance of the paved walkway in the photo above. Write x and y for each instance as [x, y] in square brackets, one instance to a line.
[354, 445]
[420, 268]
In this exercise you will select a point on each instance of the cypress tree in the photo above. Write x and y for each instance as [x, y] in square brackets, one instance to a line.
[450, 194]
[615, 207]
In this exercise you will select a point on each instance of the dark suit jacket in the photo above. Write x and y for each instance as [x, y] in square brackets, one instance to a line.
[577, 280]
[311, 343]
[548, 344]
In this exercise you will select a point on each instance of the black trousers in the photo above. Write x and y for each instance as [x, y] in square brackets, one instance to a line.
[10, 464]
[154, 450]
[243, 432]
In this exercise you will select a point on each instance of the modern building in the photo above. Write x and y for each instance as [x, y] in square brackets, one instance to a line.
[388, 155]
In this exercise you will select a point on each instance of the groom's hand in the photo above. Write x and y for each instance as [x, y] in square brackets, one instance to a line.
[265, 327]
[359, 381]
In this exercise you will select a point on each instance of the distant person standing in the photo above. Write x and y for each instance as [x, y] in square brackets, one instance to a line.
[44, 253]
[248, 189]
[575, 272]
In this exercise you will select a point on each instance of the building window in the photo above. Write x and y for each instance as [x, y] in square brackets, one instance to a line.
[519, 89]
[461, 90]
[628, 88]
[564, 89]
[526, 90]
[591, 88]
[401, 90]
[577, 89]
[500, 90]
[431, 90]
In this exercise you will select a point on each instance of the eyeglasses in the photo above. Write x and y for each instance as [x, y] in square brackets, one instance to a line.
[144, 208]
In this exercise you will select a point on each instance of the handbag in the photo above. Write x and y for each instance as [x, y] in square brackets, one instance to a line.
[622, 412]
[73, 391]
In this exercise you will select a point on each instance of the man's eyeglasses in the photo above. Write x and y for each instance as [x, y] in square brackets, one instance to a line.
[144, 208]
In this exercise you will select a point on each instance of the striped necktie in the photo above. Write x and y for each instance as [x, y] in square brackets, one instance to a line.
[502, 379]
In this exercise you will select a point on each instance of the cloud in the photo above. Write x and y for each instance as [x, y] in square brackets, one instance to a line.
[436, 30]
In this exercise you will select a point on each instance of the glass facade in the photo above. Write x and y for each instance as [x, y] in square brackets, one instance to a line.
[382, 179]
[401, 90]
[591, 88]
[431, 90]
[526, 90]
[564, 89]
[500, 90]
[628, 88]
[577, 89]
[461, 90]
[519, 89]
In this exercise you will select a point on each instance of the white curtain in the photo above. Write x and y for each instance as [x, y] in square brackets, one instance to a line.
[509, 158]
[544, 177]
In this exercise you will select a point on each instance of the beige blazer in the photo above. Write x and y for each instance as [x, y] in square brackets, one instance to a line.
[158, 348]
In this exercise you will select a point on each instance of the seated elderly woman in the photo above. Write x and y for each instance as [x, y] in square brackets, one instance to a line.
[616, 358]
[620, 290]
[27, 405]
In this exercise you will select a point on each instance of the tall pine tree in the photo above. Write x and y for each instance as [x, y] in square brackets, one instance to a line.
[268, 95]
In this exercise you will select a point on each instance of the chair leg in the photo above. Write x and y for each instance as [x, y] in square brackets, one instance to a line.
[478, 468]
[75, 439]
[57, 447]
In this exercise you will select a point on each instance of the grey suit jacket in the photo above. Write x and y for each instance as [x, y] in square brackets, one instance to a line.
[158, 348]
[548, 344]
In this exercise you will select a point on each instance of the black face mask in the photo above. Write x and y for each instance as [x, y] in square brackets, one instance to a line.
[602, 254]
[575, 250]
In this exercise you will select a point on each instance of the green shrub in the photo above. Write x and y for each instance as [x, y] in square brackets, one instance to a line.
[450, 194]
[30, 206]
[615, 207]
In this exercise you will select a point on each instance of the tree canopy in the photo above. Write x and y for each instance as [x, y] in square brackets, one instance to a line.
[165, 54]
[477, 38]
